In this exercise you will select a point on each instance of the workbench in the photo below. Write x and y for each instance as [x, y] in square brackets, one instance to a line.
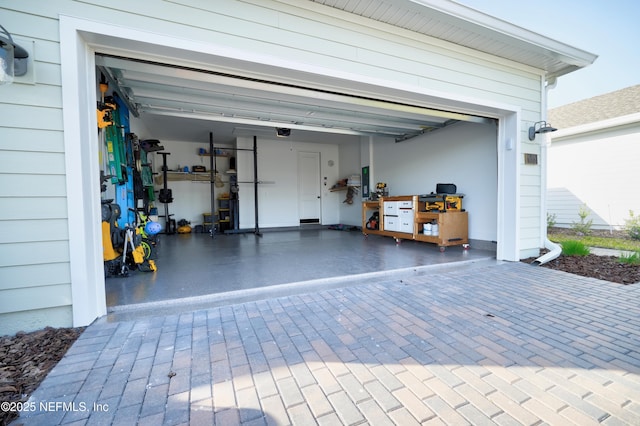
[395, 212]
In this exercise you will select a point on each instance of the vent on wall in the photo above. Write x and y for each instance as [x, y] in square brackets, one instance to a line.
[531, 159]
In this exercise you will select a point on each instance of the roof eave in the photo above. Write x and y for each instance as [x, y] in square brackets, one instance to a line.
[568, 58]
[596, 126]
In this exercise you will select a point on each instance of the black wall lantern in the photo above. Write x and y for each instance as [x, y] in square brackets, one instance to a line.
[13, 58]
[540, 127]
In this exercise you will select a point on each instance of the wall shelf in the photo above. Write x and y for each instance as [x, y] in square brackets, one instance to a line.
[184, 176]
[343, 188]
[215, 155]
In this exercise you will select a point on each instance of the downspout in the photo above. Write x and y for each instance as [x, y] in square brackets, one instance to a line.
[554, 249]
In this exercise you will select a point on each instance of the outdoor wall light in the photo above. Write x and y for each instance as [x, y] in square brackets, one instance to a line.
[13, 58]
[543, 127]
[282, 132]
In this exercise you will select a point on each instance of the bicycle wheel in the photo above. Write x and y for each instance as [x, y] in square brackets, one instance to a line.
[147, 249]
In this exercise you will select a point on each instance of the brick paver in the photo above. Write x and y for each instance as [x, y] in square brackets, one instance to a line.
[501, 344]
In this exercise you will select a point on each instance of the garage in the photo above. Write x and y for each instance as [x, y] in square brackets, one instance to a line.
[394, 128]
[181, 107]
[419, 93]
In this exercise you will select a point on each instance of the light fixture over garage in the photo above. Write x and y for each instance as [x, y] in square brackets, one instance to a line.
[13, 58]
[541, 127]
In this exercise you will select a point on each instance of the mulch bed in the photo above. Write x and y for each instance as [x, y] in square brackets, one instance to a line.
[26, 359]
[606, 268]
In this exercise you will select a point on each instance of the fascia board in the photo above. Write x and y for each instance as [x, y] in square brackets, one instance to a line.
[596, 126]
[506, 32]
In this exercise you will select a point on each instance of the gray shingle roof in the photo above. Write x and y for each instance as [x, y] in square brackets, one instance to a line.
[610, 105]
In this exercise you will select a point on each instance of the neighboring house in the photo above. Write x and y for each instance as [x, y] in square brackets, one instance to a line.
[421, 92]
[594, 160]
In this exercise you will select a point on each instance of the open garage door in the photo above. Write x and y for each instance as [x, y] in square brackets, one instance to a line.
[174, 92]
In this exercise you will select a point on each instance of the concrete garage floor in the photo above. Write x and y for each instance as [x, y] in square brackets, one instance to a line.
[197, 268]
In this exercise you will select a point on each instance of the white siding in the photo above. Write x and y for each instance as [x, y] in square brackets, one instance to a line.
[530, 196]
[35, 319]
[35, 287]
[598, 170]
[426, 71]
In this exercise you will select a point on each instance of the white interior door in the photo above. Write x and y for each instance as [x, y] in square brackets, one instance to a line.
[309, 187]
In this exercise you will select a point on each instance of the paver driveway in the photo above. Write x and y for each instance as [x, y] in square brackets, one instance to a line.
[501, 344]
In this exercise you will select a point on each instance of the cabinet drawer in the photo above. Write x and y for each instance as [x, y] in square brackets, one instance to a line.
[405, 219]
[407, 204]
[391, 223]
[391, 208]
[406, 226]
[406, 213]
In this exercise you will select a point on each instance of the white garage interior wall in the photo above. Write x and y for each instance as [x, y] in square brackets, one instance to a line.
[191, 198]
[278, 177]
[351, 162]
[464, 154]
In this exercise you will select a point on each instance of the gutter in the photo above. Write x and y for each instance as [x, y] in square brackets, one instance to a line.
[597, 126]
[554, 251]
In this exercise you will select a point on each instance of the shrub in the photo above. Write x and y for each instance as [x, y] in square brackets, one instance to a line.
[574, 248]
[584, 226]
[632, 226]
[631, 259]
[551, 220]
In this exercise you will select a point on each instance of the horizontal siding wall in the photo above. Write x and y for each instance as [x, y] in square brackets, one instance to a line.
[597, 171]
[36, 319]
[35, 287]
[288, 31]
[530, 196]
[309, 33]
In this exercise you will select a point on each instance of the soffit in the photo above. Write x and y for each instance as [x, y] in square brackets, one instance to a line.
[174, 100]
[464, 26]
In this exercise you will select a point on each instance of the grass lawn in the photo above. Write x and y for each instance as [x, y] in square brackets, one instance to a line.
[617, 240]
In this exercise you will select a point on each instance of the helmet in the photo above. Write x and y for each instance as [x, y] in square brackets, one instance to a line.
[152, 228]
